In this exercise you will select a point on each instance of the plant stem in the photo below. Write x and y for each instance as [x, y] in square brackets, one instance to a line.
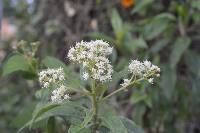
[181, 27]
[120, 89]
[94, 108]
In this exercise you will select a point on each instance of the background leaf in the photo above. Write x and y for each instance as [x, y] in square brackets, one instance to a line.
[16, 62]
[181, 44]
[193, 62]
[97, 35]
[157, 25]
[116, 22]
[134, 44]
[131, 126]
[24, 116]
[168, 81]
[141, 6]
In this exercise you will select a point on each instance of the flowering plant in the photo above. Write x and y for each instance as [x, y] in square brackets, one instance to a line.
[92, 56]
[81, 102]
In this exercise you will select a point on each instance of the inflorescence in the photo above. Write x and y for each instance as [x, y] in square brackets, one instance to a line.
[54, 77]
[142, 70]
[59, 94]
[51, 76]
[93, 58]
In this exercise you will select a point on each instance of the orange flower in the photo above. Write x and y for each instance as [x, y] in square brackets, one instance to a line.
[127, 3]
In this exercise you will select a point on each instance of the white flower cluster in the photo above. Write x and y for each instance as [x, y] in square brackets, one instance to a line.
[144, 70]
[51, 76]
[136, 68]
[92, 55]
[54, 77]
[60, 94]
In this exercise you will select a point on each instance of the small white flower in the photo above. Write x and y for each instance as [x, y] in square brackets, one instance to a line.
[50, 76]
[155, 68]
[46, 85]
[150, 69]
[145, 70]
[150, 80]
[66, 97]
[126, 82]
[102, 70]
[60, 94]
[136, 68]
[157, 75]
[147, 64]
[85, 75]
[92, 56]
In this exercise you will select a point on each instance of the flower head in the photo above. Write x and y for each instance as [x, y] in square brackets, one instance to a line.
[92, 56]
[136, 68]
[102, 70]
[50, 76]
[60, 94]
[142, 70]
[85, 51]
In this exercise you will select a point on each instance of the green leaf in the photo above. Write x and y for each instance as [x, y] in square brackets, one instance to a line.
[196, 4]
[159, 45]
[193, 62]
[75, 82]
[139, 43]
[103, 129]
[39, 110]
[78, 129]
[116, 22]
[165, 16]
[72, 111]
[42, 108]
[134, 44]
[24, 116]
[137, 96]
[148, 101]
[88, 118]
[157, 25]
[51, 125]
[131, 126]
[52, 62]
[97, 35]
[111, 120]
[181, 44]
[141, 6]
[196, 17]
[114, 124]
[43, 94]
[139, 112]
[16, 62]
[168, 81]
